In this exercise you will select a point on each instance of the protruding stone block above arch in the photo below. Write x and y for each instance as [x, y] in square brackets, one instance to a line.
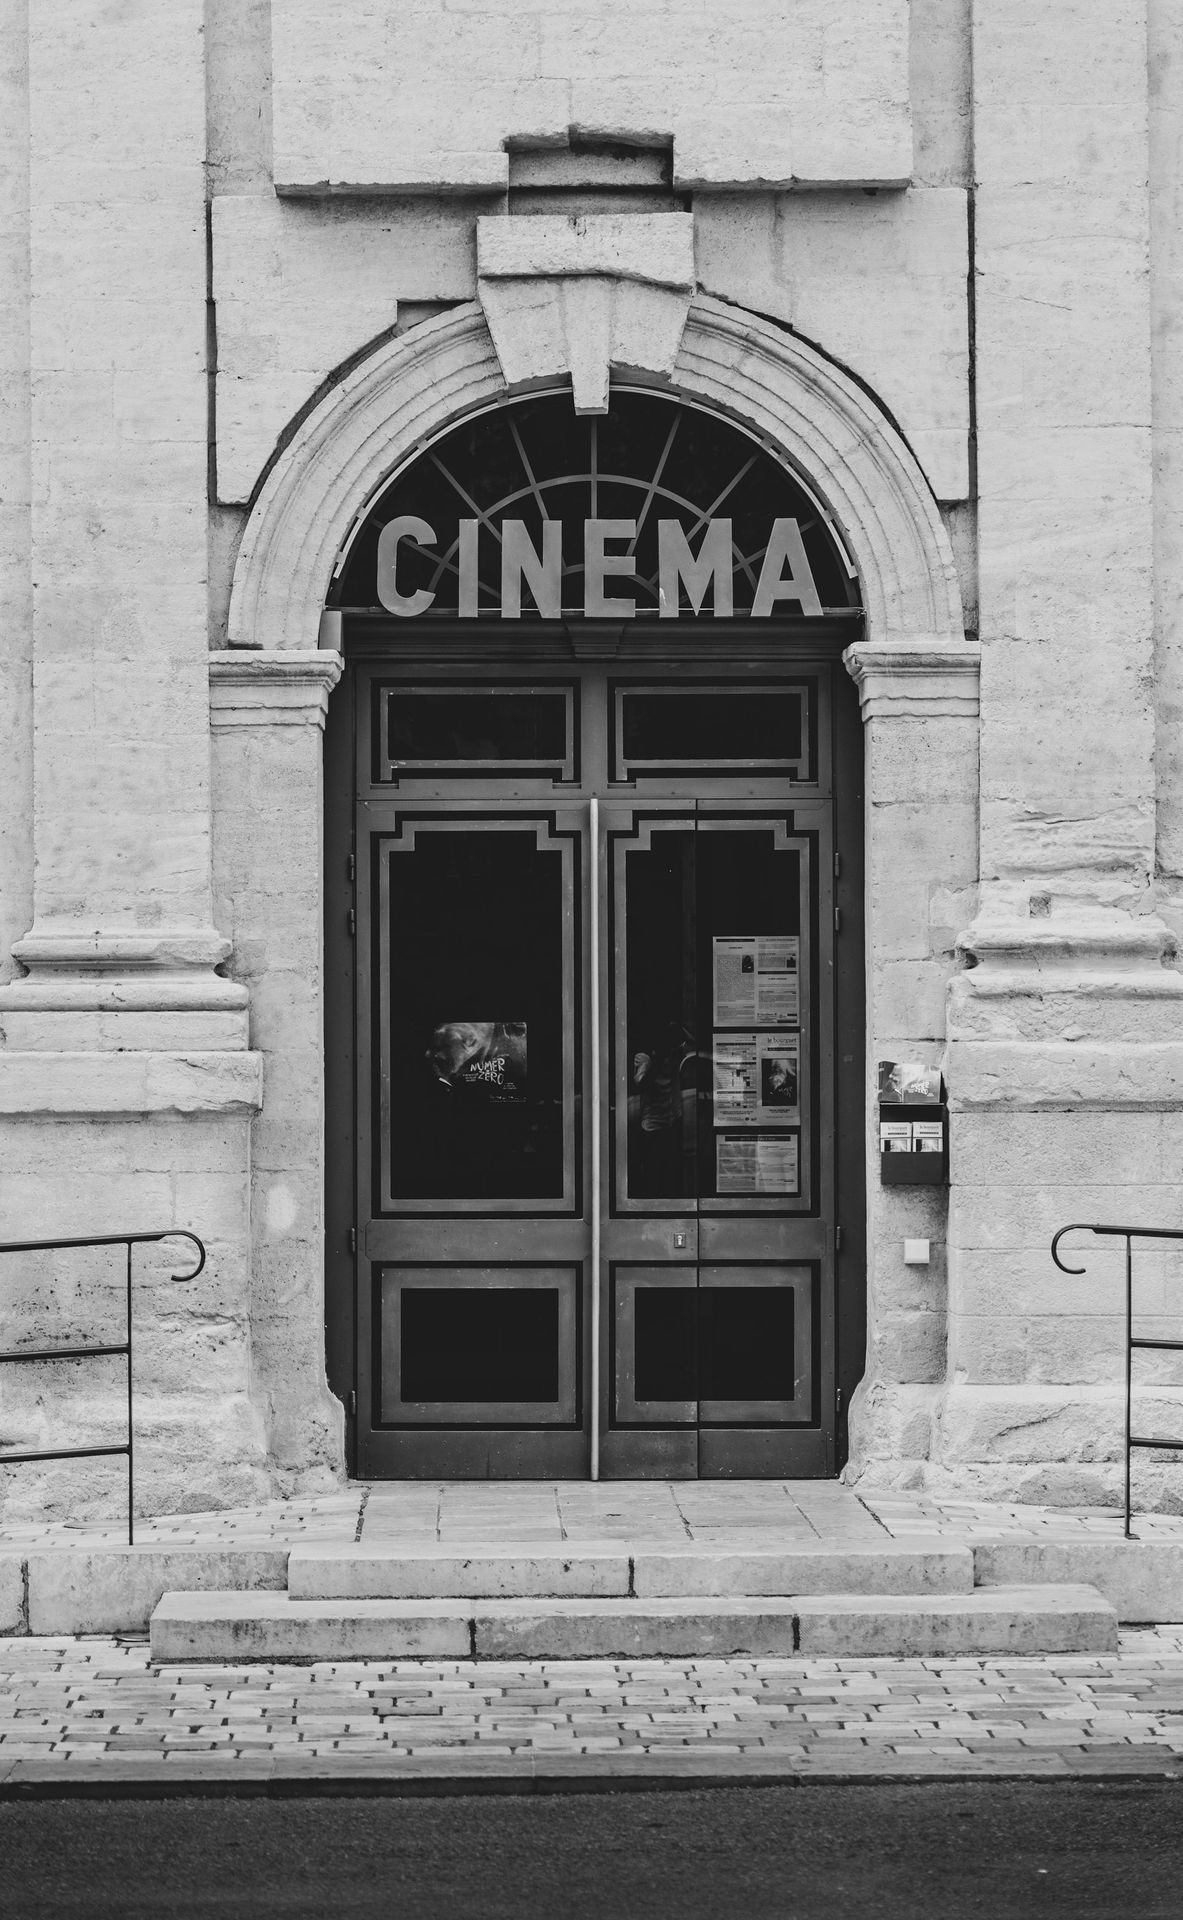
[586, 297]
[370, 96]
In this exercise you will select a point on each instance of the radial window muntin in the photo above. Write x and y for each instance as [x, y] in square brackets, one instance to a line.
[534, 459]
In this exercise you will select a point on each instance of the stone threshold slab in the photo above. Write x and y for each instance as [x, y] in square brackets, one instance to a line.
[261, 1626]
[1141, 1579]
[608, 1569]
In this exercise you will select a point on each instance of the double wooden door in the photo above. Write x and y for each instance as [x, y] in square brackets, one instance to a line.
[596, 1081]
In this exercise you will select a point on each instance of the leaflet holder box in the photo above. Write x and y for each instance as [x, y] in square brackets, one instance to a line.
[913, 1126]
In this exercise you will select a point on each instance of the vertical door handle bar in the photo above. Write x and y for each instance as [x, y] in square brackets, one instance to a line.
[594, 988]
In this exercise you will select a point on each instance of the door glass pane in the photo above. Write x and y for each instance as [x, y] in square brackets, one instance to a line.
[473, 1343]
[746, 1343]
[661, 1057]
[719, 727]
[451, 728]
[477, 1014]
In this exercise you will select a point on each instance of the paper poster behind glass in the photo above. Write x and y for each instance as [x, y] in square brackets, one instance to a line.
[481, 1061]
[756, 980]
[757, 1079]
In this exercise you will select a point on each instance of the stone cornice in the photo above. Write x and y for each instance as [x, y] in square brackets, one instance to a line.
[284, 688]
[119, 970]
[921, 682]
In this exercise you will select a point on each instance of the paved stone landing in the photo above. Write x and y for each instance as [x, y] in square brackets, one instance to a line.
[652, 1539]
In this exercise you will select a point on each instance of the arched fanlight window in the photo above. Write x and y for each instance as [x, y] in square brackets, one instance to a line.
[673, 509]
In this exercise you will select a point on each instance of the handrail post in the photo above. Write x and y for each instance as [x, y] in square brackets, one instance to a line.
[1129, 1235]
[125, 1349]
[131, 1425]
[1129, 1367]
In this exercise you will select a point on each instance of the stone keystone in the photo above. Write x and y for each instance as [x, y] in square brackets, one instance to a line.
[586, 296]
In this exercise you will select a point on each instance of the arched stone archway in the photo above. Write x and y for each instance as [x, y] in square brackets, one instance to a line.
[410, 388]
[917, 679]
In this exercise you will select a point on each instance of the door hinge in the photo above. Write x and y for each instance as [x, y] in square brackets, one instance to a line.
[837, 865]
[838, 1402]
[351, 868]
[353, 1239]
[353, 1401]
[837, 919]
[352, 922]
[837, 1239]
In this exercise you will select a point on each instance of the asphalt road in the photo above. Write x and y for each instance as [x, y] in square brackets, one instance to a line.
[887, 1850]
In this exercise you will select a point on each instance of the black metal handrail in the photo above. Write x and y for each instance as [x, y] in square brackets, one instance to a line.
[124, 1347]
[1129, 1235]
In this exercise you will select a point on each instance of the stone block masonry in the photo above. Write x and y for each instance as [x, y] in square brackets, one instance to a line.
[419, 98]
[929, 254]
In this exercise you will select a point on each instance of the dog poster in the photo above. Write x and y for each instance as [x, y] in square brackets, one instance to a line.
[906, 1083]
[481, 1060]
[757, 1079]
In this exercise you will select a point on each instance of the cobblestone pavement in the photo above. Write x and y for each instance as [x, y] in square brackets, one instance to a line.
[94, 1710]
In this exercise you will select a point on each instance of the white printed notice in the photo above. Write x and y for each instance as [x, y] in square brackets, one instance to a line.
[757, 1079]
[756, 1163]
[756, 980]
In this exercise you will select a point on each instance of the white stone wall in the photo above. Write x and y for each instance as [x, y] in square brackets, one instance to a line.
[373, 96]
[159, 912]
[16, 581]
[1064, 1037]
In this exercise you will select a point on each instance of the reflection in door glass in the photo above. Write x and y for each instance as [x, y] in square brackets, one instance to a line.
[746, 1343]
[666, 1343]
[483, 1344]
[475, 950]
[661, 1052]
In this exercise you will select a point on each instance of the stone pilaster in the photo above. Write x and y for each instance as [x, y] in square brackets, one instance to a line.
[122, 904]
[267, 712]
[920, 714]
[1066, 1025]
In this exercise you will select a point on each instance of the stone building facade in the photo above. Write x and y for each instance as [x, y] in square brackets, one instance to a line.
[256, 256]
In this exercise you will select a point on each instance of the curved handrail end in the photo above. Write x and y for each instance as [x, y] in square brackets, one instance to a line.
[183, 1233]
[1076, 1226]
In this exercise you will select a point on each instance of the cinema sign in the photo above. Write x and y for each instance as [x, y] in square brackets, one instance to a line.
[696, 569]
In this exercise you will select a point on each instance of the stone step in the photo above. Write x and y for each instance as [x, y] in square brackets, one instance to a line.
[233, 1627]
[608, 1570]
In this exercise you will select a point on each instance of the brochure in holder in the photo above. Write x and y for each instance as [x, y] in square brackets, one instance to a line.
[913, 1125]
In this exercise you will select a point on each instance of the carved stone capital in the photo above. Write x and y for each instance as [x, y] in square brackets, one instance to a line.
[923, 682]
[285, 688]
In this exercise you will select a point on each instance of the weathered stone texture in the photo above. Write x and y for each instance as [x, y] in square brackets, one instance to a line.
[199, 1442]
[836, 324]
[119, 428]
[267, 889]
[299, 288]
[1166, 293]
[941, 90]
[16, 656]
[811, 260]
[238, 96]
[1063, 442]
[12, 1593]
[369, 96]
